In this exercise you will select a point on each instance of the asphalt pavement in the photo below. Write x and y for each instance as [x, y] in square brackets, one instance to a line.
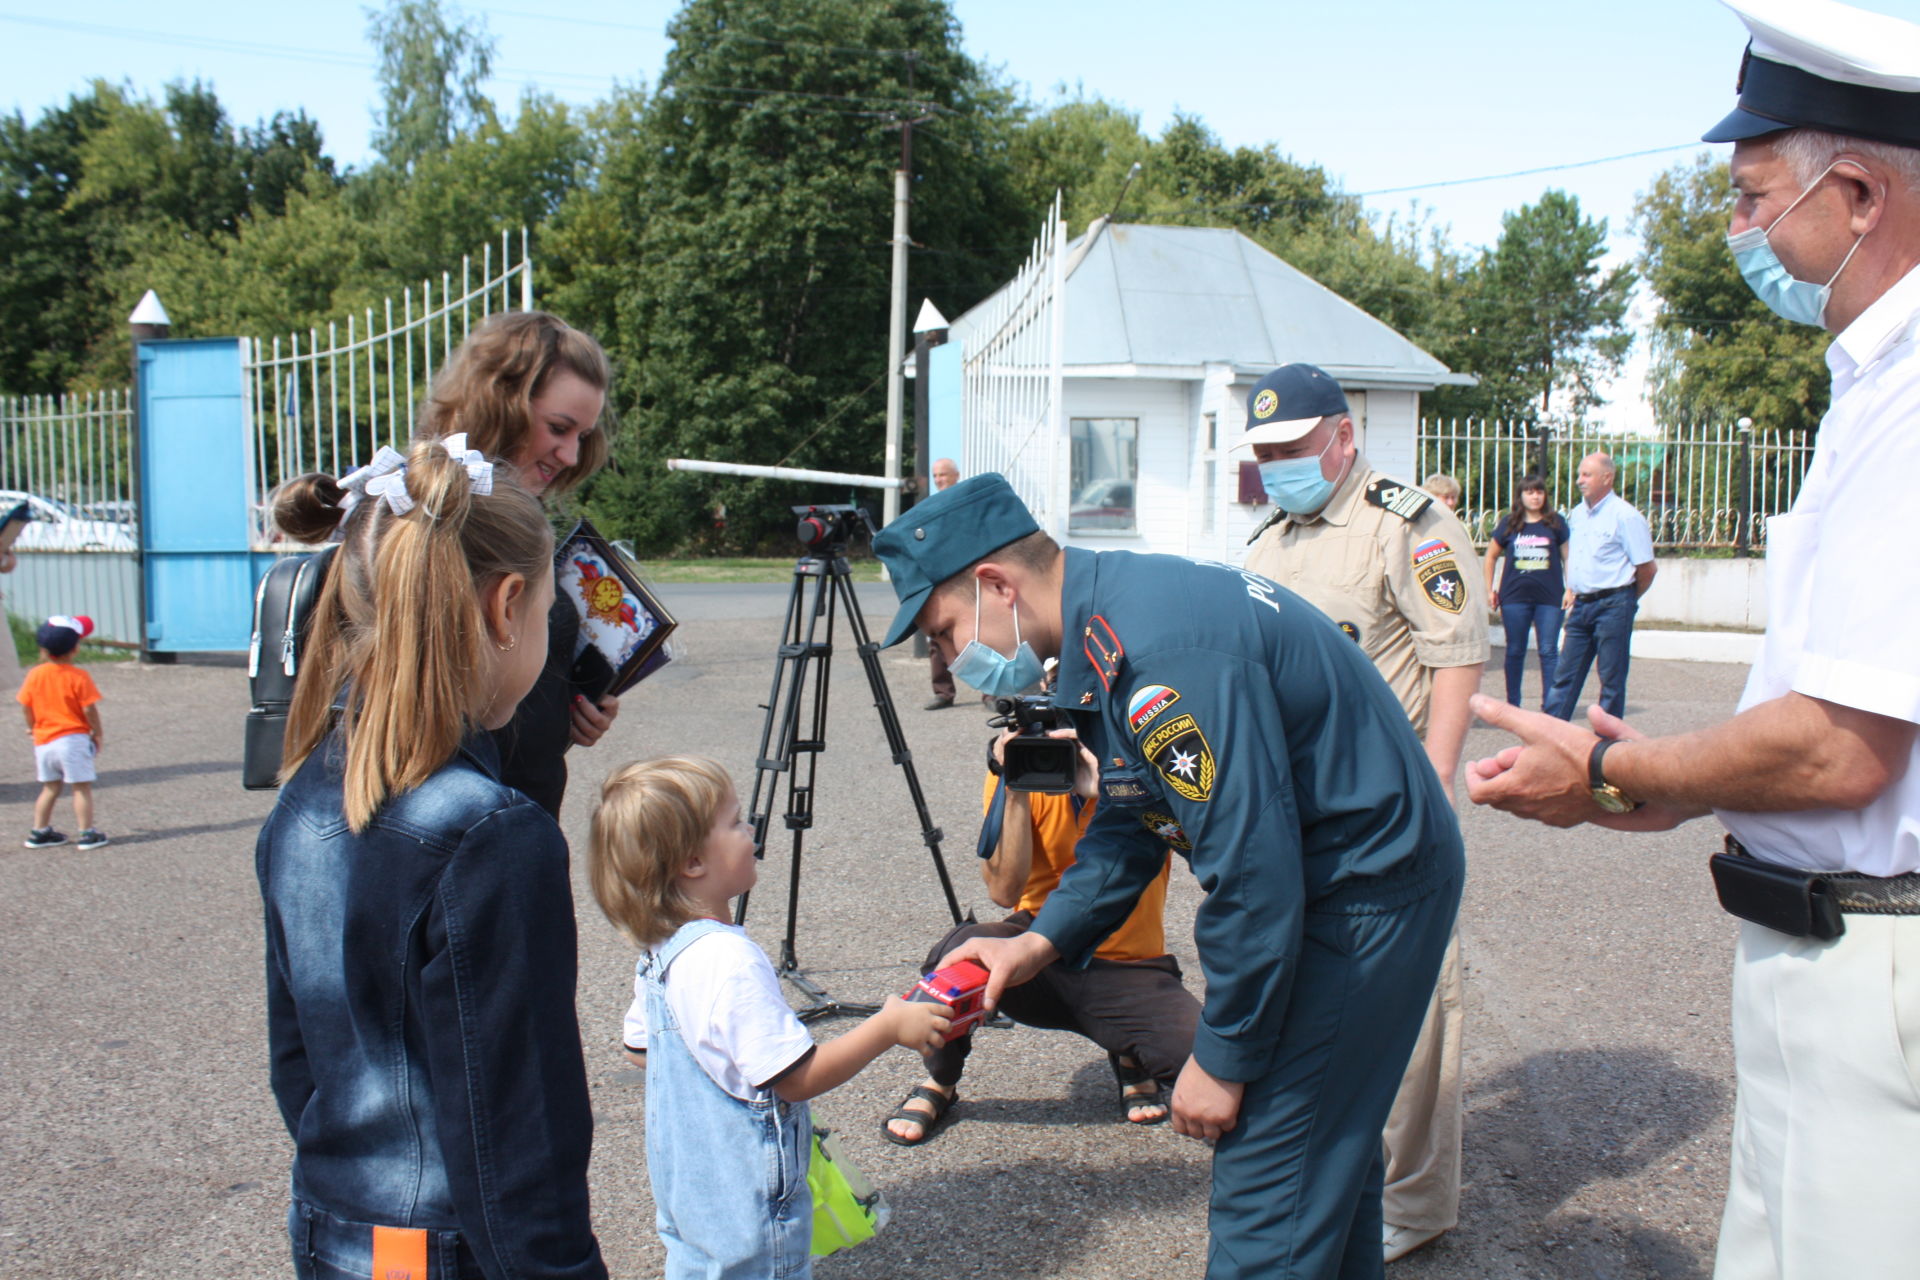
[138, 1136]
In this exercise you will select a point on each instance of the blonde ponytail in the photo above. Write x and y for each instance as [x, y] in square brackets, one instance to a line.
[399, 626]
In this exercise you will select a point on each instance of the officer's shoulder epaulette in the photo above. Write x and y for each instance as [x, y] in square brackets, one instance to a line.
[1402, 500]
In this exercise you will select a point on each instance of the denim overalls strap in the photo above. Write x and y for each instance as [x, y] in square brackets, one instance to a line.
[729, 1177]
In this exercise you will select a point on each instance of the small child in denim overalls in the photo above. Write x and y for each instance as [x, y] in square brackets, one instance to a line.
[729, 1066]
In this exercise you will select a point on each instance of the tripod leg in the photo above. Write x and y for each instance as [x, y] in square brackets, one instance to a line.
[779, 730]
[890, 723]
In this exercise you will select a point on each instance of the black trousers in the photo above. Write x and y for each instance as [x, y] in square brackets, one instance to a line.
[1135, 1008]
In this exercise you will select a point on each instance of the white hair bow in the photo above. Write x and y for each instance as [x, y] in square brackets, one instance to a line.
[384, 477]
[479, 470]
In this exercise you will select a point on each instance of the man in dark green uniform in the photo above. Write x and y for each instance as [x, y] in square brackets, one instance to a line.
[1221, 704]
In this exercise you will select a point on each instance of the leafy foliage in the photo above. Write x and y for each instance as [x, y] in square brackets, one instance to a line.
[1544, 324]
[724, 232]
[1718, 352]
[734, 250]
[433, 60]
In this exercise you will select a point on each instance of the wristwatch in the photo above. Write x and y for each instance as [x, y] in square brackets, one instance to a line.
[1605, 794]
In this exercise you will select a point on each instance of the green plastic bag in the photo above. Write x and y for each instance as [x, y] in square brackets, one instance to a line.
[846, 1208]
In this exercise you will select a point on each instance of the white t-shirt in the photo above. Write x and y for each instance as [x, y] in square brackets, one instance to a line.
[733, 1017]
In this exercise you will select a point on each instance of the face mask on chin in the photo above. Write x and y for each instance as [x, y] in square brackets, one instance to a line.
[1784, 294]
[990, 671]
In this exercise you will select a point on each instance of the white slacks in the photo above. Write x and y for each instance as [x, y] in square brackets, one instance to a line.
[1825, 1179]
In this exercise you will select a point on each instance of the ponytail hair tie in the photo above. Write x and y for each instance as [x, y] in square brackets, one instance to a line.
[384, 477]
[479, 470]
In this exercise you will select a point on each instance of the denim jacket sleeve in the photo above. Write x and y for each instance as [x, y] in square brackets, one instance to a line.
[287, 1071]
[503, 1045]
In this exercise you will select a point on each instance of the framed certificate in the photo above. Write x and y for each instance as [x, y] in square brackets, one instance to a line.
[623, 625]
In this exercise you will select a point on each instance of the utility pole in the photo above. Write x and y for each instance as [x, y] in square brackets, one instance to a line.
[897, 313]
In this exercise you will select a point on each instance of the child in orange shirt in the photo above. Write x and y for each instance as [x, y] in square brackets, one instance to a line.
[64, 719]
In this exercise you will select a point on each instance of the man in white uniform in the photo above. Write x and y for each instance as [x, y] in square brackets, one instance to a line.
[1817, 776]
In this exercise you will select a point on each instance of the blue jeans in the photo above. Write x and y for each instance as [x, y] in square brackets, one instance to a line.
[1597, 630]
[1544, 621]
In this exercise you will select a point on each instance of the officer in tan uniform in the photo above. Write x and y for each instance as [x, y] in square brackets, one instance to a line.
[1384, 560]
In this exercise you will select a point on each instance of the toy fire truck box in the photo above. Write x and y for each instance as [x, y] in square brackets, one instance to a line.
[962, 985]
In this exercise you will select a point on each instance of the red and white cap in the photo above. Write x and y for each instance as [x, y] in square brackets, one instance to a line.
[78, 623]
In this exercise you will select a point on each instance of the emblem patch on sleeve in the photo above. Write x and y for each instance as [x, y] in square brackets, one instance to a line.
[1147, 702]
[1350, 631]
[1181, 754]
[1163, 826]
[1441, 581]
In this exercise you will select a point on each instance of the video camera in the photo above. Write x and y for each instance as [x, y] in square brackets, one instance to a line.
[1033, 761]
[831, 525]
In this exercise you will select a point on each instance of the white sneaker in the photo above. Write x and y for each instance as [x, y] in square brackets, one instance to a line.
[1398, 1242]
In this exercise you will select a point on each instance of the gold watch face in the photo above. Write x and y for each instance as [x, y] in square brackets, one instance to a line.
[1612, 799]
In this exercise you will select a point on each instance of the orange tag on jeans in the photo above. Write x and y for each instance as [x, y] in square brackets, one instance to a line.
[399, 1253]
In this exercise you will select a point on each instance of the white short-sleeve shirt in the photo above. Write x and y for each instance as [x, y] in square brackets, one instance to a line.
[1843, 590]
[734, 1018]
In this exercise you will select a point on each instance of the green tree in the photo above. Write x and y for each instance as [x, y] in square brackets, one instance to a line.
[1718, 352]
[1546, 325]
[433, 60]
[50, 289]
[1400, 271]
[733, 249]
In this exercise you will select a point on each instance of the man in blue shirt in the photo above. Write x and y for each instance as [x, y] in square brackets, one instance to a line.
[1298, 793]
[1609, 567]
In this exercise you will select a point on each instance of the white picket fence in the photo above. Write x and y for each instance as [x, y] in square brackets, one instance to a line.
[1011, 395]
[327, 400]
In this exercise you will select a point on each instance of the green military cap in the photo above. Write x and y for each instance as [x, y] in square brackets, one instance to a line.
[942, 535]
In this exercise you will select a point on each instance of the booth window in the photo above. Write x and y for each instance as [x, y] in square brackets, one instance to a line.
[1106, 464]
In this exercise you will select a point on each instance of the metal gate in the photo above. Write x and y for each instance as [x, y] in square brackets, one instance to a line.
[197, 569]
[1011, 411]
[69, 459]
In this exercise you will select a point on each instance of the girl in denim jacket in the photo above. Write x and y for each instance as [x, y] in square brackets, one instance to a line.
[729, 1066]
[419, 916]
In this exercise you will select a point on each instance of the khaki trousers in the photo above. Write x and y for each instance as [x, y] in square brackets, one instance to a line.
[1826, 1123]
[1422, 1137]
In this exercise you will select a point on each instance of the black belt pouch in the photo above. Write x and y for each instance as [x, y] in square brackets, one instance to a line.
[1792, 902]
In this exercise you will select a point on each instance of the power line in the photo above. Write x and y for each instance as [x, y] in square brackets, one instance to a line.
[250, 48]
[1527, 173]
[655, 29]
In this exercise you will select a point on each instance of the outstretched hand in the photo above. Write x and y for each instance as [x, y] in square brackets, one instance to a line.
[1544, 775]
[1008, 961]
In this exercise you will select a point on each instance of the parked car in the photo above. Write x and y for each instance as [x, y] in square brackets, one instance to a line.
[1102, 505]
[55, 526]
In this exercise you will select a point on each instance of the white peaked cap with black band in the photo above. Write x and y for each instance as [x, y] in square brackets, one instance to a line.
[1818, 64]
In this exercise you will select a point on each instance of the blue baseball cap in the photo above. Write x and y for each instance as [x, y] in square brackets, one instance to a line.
[1288, 403]
[943, 534]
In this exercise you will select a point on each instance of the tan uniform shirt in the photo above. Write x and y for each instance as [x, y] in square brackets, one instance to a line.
[1396, 570]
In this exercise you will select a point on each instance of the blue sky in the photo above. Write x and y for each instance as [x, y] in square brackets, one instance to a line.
[1385, 94]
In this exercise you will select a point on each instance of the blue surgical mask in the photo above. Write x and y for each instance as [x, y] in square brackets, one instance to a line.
[990, 671]
[1790, 298]
[1297, 485]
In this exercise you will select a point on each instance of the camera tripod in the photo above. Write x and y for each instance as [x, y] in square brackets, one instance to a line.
[806, 653]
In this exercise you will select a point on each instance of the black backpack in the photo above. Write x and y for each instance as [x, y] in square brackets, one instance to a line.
[282, 609]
